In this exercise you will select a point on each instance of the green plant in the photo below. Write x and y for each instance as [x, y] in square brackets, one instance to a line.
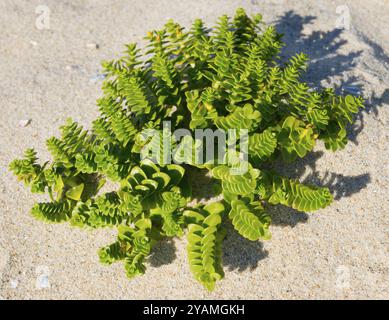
[225, 78]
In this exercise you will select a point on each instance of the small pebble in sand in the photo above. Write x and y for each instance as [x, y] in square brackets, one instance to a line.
[14, 283]
[73, 67]
[33, 43]
[92, 45]
[24, 122]
[43, 282]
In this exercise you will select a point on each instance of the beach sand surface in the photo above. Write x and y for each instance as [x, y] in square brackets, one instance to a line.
[48, 75]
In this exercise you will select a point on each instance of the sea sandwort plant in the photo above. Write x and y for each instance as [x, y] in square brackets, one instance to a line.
[225, 78]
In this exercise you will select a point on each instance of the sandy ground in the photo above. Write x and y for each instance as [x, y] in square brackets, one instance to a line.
[49, 75]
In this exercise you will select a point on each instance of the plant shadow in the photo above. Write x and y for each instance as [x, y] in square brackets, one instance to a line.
[321, 47]
[239, 253]
[305, 170]
[328, 67]
[163, 253]
[372, 106]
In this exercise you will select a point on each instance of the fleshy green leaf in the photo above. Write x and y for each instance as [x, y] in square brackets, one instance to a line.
[75, 192]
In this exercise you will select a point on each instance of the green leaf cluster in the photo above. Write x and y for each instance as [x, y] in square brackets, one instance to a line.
[228, 77]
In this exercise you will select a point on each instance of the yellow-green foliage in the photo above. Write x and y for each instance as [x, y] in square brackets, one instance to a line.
[222, 78]
[205, 236]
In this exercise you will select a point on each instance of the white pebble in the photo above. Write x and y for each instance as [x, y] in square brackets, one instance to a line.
[73, 67]
[43, 282]
[92, 45]
[33, 43]
[14, 284]
[24, 122]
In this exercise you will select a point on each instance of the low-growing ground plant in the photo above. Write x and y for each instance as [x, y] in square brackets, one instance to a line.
[228, 78]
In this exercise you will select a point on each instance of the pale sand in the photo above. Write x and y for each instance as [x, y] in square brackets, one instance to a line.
[338, 252]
